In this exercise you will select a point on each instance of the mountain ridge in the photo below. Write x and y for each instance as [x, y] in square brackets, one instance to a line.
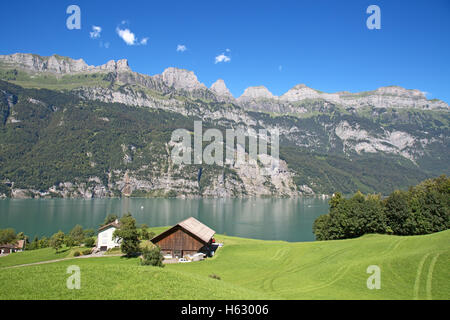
[187, 80]
[106, 132]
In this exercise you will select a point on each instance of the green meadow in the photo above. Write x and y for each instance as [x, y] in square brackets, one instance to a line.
[34, 256]
[413, 267]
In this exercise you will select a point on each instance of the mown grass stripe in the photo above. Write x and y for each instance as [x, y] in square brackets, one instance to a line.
[418, 276]
[430, 276]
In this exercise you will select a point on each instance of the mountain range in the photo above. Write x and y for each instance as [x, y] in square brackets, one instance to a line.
[68, 129]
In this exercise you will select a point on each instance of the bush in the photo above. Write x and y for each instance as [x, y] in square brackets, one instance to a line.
[152, 257]
[76, 254]
[87, 252]
[89, 242]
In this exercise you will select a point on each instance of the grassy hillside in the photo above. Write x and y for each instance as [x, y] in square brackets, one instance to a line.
[411, 268]
[34, 256]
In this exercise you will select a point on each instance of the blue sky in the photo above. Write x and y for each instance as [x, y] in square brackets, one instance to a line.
[323, 44]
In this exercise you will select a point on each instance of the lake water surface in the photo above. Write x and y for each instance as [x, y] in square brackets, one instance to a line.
[267, 219]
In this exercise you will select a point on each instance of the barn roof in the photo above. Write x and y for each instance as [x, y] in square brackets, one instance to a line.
[199, 229]
[193, 226]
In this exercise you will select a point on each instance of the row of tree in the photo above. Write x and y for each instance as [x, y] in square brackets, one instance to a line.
[77, 236]
[422, 209]
[130, 236]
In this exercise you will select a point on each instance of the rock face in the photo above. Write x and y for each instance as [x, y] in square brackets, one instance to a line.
[301, 92]
[255, 98]
[181, 79]
[115, 66]
[259, 92]
[222, 91]
[261, 99]
[54, 64]
[59, 65]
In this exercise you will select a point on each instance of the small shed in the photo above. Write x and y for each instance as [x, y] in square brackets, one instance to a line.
[106, 240]
[186, 238]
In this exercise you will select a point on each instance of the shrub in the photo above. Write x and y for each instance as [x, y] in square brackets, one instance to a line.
[152, 257]
[76, 254]
[89, 242]
[87, 252]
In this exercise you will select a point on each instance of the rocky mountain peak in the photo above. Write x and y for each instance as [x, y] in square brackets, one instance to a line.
[300, 86]
[257, 93]
[59, 65]
[300, 92]
[181, 79]
[400, 91]
[221, 89]
[116, 66]
[53, 64]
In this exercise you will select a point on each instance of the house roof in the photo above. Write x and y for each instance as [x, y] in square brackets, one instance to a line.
[7, 246]
[19, 245]
[114, 224]
[193, 226]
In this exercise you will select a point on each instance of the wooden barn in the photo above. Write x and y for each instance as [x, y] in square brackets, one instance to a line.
[186, 238]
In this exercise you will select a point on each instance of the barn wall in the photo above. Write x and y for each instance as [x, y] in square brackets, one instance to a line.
[180, 240]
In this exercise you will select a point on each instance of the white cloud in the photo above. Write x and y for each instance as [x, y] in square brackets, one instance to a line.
[96, 30]
[181, 48]
[127, 36]
[130, 38]
[222, 58]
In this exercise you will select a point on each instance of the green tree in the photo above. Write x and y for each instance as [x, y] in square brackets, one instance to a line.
[88, 233]
[34, 244]
[144, 234]
[77, 234]
[8, 236]
[128, 236]
[57, 240]
[335, 200]
[44, 243]
[398, 212]
[89, 242]
[109, 219]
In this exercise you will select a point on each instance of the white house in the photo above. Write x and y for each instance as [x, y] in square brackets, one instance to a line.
[105, 240]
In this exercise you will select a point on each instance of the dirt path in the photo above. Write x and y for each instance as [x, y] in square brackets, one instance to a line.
[59, 260]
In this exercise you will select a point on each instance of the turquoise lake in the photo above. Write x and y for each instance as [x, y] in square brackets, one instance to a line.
[267, 219]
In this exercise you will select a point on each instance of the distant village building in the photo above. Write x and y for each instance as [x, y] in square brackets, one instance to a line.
[11, 248]
[106, 240]
[186, 238]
